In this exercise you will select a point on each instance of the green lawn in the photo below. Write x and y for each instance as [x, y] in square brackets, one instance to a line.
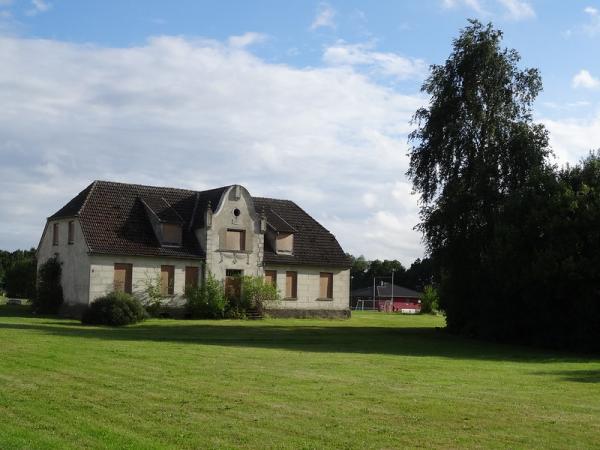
[375, 381]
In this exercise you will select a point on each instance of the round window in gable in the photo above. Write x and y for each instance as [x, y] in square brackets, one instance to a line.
[236, 212]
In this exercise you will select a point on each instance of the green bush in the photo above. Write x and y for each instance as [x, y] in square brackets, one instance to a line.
[207, 301]
[153, 299]
[49, 296]
[429, 302]
[258, 293]
[115, 309]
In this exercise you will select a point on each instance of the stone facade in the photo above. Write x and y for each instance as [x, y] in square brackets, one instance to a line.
[308, 279]
[87, 275]
[74, 258]
[144, 270]
[218, 258]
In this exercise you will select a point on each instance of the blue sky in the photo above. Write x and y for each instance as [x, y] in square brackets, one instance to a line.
[303, 100]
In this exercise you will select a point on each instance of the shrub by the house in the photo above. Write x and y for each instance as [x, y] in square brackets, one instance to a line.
[49, 296]
[153, 300]
[207, 301]
[115, 309]
[257, 293]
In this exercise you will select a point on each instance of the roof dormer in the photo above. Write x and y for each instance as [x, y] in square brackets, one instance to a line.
[279, 234]
[166, 222]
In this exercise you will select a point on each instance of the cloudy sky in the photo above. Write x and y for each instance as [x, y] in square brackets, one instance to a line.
[309, 101]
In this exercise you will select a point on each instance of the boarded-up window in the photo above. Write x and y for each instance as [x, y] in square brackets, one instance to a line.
[285, 242]
[233, 284]
[271, 277]
[71, 232]
[291, 284]
[55, 234]
[171, 234]
[167, 280]
[122, 278]
[191, 276]
[235, 240]
[326, 285]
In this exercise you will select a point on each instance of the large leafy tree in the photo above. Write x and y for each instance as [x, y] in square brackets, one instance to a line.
[474, 145]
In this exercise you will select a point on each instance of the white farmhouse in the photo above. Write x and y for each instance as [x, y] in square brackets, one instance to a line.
[116, 236]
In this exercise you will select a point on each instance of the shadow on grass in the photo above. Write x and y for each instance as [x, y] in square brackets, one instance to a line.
[333, 337]
[578, 376]
[16, 311]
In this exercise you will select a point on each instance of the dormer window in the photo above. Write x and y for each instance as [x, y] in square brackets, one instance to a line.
[166, 221]
[171, 234]
[235, 240]
[279, 236]
[285, 242]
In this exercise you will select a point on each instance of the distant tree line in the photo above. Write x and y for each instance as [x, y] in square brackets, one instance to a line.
[18, 273]
[416, 277]
[516, 241]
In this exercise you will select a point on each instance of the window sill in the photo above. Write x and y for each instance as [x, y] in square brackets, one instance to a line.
[324, 299]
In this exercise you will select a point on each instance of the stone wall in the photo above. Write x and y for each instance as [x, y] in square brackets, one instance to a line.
[75, 278]
[144, 270]
[308, 288]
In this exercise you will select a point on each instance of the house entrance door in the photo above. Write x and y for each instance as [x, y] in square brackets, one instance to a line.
[233, 284]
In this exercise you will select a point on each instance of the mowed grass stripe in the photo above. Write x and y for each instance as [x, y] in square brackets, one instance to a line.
[375, 381]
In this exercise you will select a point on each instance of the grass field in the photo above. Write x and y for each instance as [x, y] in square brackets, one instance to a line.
[375, 381]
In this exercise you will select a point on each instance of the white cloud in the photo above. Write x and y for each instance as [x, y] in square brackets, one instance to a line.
[514, 9]
[201, 114]
[572, 139]
[518, 9]
[592, 28]
[584, 79]
[389, 64]
[475, 5]
[324, 18]
[247, 39]
[38, 7]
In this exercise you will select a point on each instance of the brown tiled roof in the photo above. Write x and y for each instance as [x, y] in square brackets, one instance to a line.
[114, 221]
[313, 244]
[72, 208]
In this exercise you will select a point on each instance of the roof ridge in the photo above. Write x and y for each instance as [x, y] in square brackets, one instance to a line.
[137, 186]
